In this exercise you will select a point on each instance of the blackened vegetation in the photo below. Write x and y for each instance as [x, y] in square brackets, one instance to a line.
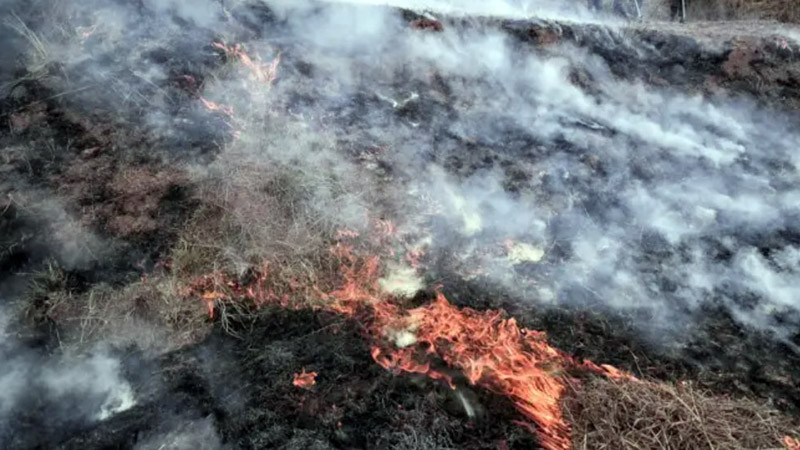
[244, 389]
[67, 137]
[122, 180]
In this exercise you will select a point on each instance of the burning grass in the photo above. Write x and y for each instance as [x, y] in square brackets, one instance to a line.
[259, 242]
[465, 347]
[438, 340]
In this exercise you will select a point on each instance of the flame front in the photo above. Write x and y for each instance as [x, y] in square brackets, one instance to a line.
[491, 351]
[437, 339]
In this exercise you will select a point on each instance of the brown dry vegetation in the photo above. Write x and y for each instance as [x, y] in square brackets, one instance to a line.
[149, 312]
[781, 10]
[608, 414]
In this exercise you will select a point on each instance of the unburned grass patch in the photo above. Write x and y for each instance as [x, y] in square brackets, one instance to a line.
[608, 414]
[149, 312]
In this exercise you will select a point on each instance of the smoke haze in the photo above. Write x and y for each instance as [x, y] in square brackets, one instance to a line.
[540, 172]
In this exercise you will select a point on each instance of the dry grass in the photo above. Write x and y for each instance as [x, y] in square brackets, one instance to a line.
[608, 414]
[150, 312]
[781, 10]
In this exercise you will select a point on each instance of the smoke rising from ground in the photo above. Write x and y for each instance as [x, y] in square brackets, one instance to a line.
[56, 394]
[640, 199]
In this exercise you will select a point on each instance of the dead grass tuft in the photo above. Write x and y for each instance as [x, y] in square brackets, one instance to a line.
[607, 414]
[782, 10]
[149, 312]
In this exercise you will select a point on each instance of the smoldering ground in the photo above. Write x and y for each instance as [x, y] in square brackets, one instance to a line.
[644, 198]
[542, 172]
[44, 398]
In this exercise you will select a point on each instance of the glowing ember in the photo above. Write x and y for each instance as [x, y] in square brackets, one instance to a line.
[305, 379]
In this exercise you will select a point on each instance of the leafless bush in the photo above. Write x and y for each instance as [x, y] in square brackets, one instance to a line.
[609, 414]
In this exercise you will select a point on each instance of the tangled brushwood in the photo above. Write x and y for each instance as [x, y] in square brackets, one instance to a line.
[609, 414]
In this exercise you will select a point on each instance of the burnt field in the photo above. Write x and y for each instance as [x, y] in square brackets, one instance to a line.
[248, 224]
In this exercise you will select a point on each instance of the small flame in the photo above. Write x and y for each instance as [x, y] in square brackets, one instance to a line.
[305, 380]
[791, 443]
[213, 106]
[262, 72]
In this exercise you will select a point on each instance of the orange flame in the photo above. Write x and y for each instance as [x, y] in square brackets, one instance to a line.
[213, 106]
[305, 379]
[85, 33]
[490, 350]
[262, 72]
[791, 443]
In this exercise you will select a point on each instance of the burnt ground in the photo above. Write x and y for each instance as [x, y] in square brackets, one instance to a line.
[126, 185]
[243, 389]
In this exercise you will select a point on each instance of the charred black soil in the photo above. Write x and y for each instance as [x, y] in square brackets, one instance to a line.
[243, 388]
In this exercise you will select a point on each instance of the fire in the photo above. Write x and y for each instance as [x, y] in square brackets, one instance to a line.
[213, 106]
[262, 72]
[492, 352]
[438, 340]
[791, 443]
[305, 380]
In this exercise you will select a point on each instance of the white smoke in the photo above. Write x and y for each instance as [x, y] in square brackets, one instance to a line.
[72, 389]
[680, 172]
[184, 435]
[517, 9]
[640, 198]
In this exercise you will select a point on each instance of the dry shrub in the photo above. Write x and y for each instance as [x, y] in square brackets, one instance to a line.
[150, 312]
[781, 10]
[127, 201]
[607, 414]
[138, 193]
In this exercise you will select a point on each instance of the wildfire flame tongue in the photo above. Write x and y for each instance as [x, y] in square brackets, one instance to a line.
[492, 351]
[263, 72]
